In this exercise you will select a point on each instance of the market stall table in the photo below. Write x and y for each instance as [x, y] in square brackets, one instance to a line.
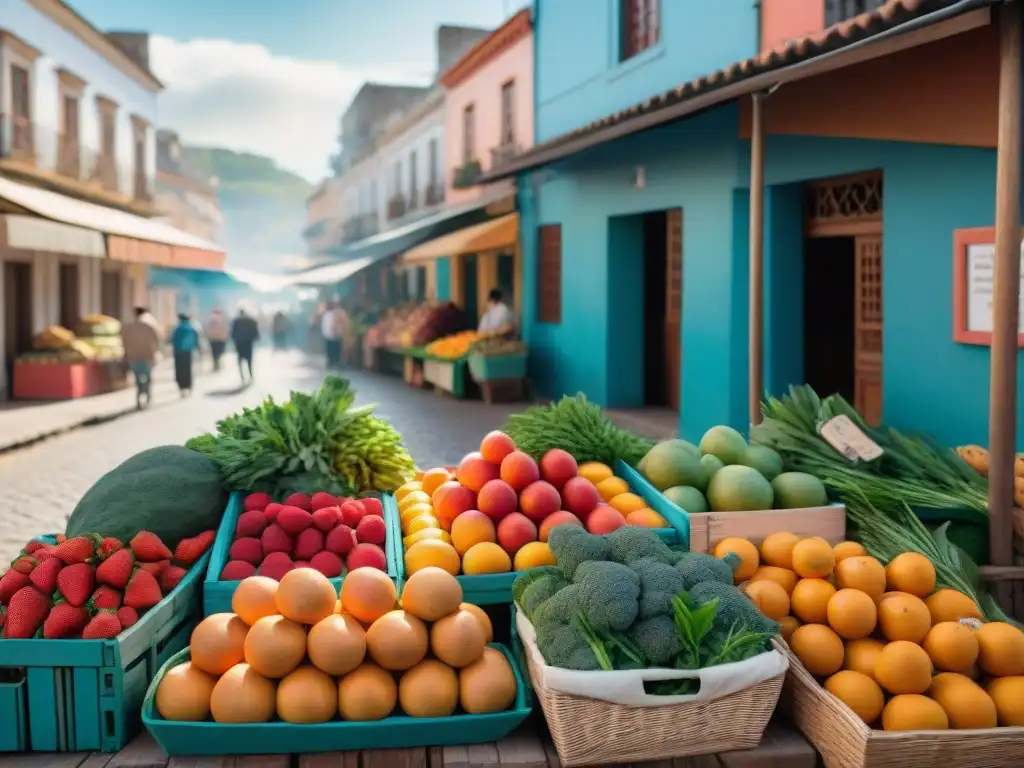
[527, 747]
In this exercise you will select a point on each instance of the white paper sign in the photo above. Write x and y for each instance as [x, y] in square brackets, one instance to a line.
[848, 439]
[980, 271]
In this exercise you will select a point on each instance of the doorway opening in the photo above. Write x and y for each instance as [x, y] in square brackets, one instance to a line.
[842, 301]
[469, 287]
[110, 294]
[69, 296]
[18, 312]
[655, 260]
[507, 278]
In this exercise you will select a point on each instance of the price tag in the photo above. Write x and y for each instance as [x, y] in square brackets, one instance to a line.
[849, 440]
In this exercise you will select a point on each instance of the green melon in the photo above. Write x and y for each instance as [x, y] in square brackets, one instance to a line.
[711, 464]
[724, 442]
[796, 490]
[687, 498]
[674, 462]
[738, 488]
[763, 459]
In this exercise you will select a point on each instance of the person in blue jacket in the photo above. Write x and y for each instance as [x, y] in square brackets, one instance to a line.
[185, 342]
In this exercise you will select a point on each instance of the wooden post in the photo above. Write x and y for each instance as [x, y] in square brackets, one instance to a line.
[1005, 290]
[756, 342]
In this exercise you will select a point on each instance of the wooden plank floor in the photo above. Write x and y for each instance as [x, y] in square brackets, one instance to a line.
[528, 747]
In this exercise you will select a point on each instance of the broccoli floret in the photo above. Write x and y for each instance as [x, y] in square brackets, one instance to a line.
[631, 543]
[608, 592]
[733, 607]
[538, 591]
[698, 568]
[565, 646]
[559, 608]
[657, 639]
[658, 583]
[572, 545]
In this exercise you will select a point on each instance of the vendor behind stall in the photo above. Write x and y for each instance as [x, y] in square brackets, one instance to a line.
[498, 320]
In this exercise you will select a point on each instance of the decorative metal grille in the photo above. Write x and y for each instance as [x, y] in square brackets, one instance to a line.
[844, 199]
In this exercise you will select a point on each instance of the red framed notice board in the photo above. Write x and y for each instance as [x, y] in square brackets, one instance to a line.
[973, 262]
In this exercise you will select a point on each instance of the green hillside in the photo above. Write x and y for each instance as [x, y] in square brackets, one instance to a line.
[264, 206]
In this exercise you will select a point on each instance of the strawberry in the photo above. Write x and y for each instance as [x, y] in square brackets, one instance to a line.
[65, 620]
[322, 500]
[109, 546]
[372, 506]
[143, 591]
[250, 523]
[236, 570]
[156, 568]
[32, 546]
[25, 613]
[326, 518]
[75, 583]
[10, 583]
[274, 539]
[276, 565]
[116, 569]
[271, 512]
[190, 550]
[352, 512]
[44, 575]
[24, 564]
[293, 520]
[148, 547]
[308, 543]
[300, 500]
[249, 550]
[105, 598]
[170, 578]
[328, 563]
[78, 549]
[256, 501]
[341, 540]
[45, 552]
[127, 616]
[103, 626]
[371, 530]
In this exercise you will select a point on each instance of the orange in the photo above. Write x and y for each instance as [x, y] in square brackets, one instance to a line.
[777, 549]
[611, 487]
[627, 502]
[434, 479]
[810, 600]
[429, 552]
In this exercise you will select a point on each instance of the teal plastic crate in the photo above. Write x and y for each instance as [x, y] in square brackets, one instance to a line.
[85, 695]
[209, 738]
[217, 594]
[13, 711]
[497, 367]
[496, 588]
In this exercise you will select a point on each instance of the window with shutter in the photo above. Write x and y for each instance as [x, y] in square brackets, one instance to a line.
[641, 26]
[549, 274]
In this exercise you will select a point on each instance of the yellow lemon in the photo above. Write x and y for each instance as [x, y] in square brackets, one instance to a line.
[426, 533]
[611, 487]
[406, 489]
[423, 523]
[627, 502]
[415, 510]
[414, 497]
[595, 471]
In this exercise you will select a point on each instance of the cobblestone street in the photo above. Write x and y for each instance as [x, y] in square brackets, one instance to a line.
[42, 483]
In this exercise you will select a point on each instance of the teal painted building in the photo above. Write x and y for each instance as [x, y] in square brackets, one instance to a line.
[858, 298]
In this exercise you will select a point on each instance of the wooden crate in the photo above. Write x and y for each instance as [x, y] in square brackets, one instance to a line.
[709, 528]
[528, 747]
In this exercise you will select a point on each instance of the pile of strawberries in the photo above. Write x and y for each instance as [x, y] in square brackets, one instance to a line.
[89, 586]
[321, 531]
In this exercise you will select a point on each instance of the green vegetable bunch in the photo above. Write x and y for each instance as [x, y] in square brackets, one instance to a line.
[628, 601]
[578, 426]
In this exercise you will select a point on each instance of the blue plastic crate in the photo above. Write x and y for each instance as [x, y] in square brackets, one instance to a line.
[496, 588]
[13, 712]
[85, 695]
[209, 738]
[217, 594]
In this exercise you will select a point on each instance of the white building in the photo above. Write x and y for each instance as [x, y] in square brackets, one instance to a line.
[77, 162]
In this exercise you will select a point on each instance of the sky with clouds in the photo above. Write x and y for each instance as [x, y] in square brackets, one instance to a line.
[273, 78]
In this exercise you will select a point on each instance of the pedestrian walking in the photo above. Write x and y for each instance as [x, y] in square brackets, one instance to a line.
[184, 342]
[141, 343]
[245, 332]
[279, 330]
[217, 332]
[330, 329]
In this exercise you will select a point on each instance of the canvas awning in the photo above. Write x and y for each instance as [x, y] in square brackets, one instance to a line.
[335, 273]
[131, 237]
[498, 233]
[31, 233]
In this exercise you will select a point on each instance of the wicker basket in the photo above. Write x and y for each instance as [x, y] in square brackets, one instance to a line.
[845, 741]
[592, 732]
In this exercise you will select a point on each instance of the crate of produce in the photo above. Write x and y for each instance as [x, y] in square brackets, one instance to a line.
[446, 523]
[742, 492]
[315, 680]
[497, 367]
[78, 695]
[446, 375]
[329, 544]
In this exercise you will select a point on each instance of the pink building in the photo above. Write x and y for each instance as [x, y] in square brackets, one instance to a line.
[488, 121]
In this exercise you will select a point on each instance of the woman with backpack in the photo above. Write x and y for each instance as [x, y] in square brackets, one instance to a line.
[185, 342]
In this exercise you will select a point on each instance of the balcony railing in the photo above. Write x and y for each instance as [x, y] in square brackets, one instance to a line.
[504, 154]
[467, 175]
[359, 227]
[837, 11]
[397, 207]
[433, 194]
[47, 149]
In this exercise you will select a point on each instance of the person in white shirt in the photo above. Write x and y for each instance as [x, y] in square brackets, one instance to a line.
[498, 319]
[329, 329]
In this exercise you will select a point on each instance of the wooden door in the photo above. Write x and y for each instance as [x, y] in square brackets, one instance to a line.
[868, 328]
[673, 306]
